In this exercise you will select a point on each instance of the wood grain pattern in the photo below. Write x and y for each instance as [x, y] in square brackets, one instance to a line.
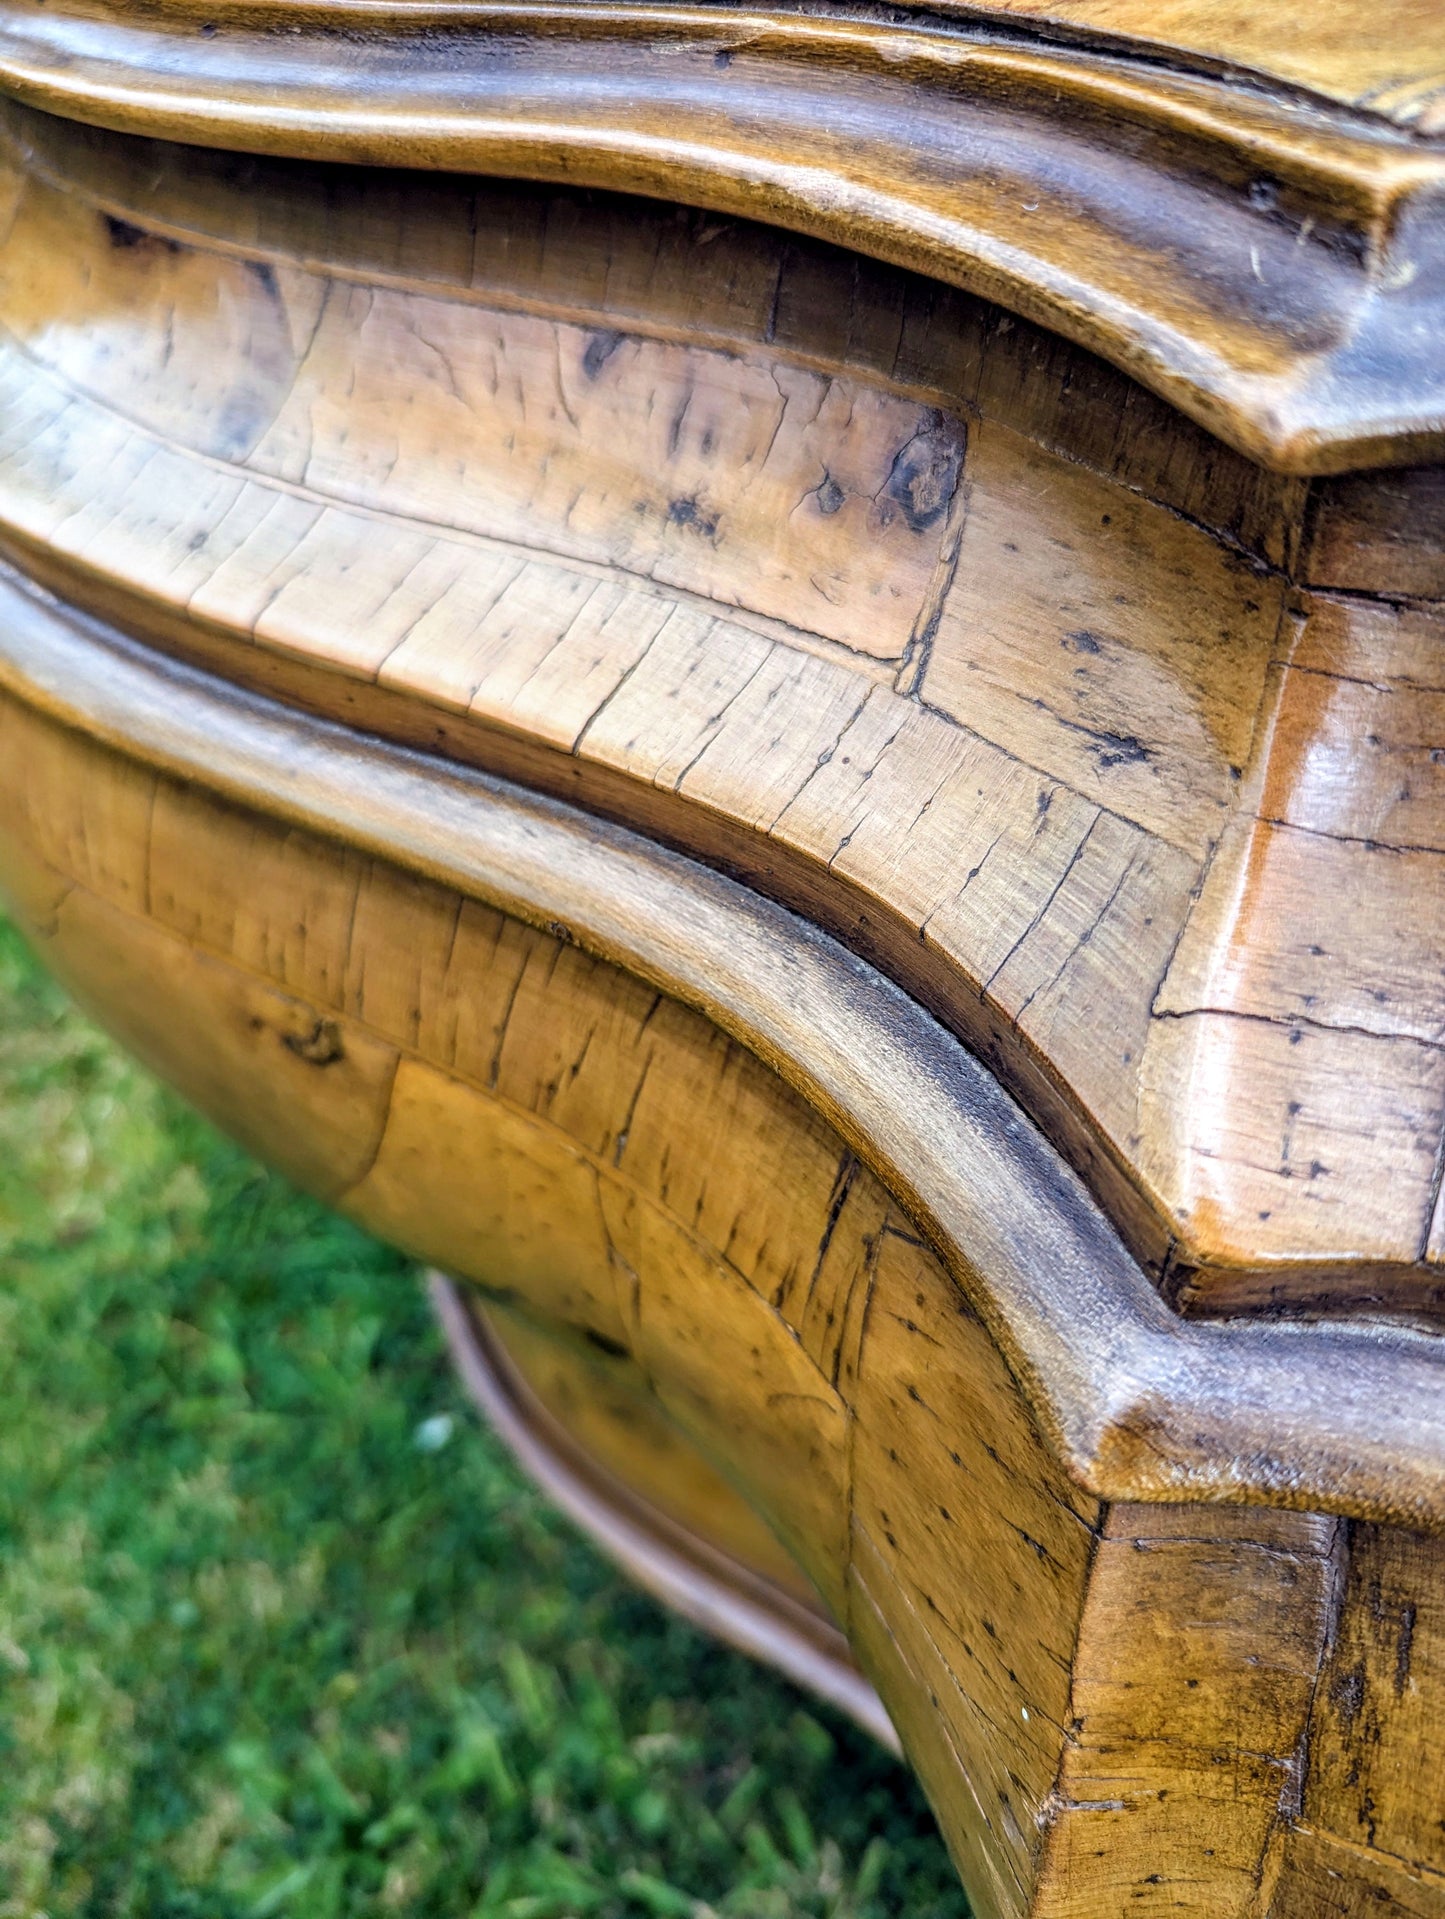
[1375, 1753]
[535, 1136]
[1107, 1703]
[1386, 60]
[1269, 264]
[1339, 1000]
[1322, 1879]
[1193, 1680]
[1367, 1836]
[533, 1133]
[1140, 1402]
[988, 1197]
[1046, 707]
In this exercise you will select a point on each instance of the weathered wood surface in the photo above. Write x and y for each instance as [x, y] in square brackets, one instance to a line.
[611, 1163]
[1103, 743]
[1139, 1402]
[1262, 247]
[587, 1429]
[1387, 60]
[1084, 1374]
[1110, 1705]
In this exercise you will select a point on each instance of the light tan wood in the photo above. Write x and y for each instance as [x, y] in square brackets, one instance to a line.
[1197, 1661]
[871, 885]
[1017, 699]
[1386, 59]
[535, 1137]
[1140, 1403]
[1268, 262]
[602, 1400]
[602, 1450]
[564, 1177]
[1107, 1704]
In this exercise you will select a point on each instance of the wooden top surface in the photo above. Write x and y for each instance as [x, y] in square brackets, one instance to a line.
[1240, 207]
[1387, 59]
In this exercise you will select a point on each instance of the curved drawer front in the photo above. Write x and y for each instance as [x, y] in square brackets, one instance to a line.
[926, 623]
[867, 884]
[612, 1166]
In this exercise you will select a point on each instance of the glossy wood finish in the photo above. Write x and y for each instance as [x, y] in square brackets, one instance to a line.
[1108, 1702]
[918, 620]
[1139, 1402]
[871, 883]
[1265, 256]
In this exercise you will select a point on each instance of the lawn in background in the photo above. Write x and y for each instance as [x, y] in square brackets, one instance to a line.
[283, 1632]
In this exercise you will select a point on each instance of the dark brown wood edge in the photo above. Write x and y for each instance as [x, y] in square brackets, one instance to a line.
[684, 1571]
[1271, 264]
[1139, 1403]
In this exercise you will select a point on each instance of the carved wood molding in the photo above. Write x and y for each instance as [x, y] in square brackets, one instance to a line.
[1139, 1403]
[1269, 259]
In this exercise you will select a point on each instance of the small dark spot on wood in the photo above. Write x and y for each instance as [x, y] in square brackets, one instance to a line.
[690, 513]
[1403, 1647]
[1118, 749]
[122, 233]
[830, 496]
[600, 347]
[1348, 1695]
[612, 1347]
[925, 472]
[123, 236]
[321, 1046]
[1084, 641]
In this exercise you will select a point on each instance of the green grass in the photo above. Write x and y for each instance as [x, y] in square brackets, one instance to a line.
[263, 1652]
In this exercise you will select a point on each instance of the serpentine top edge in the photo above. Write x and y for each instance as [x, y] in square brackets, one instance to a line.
[1245, 214]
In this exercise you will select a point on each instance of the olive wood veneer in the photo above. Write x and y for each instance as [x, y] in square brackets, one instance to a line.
[867, 879]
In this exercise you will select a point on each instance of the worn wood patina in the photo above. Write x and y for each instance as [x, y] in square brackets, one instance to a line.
[773, 685]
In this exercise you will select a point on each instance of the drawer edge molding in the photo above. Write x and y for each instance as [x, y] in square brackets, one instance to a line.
[1139, 1403]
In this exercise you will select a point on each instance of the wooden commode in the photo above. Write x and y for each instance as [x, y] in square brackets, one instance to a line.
[771, 683]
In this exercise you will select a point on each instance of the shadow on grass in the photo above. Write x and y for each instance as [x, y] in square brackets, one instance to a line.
[282, 1632]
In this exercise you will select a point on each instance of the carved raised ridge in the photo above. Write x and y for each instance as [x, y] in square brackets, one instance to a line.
[1270, 262]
